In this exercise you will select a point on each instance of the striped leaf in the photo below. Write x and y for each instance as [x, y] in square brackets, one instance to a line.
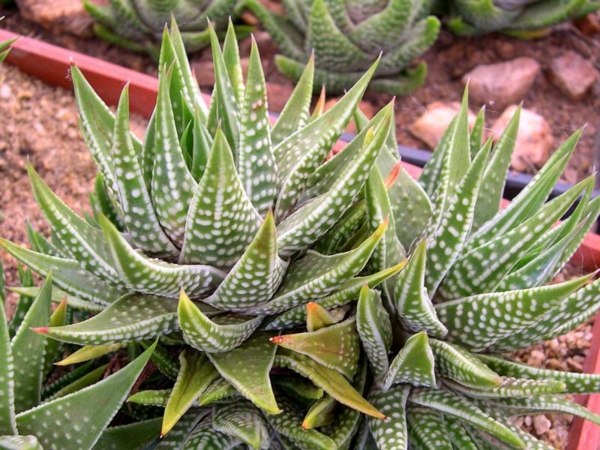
[256, 163]
[375, 330]
[413, 364]
[247, 368]
[336, 347]
[243, 421]
[57, 296]
[129, 319]
[456, 363]
[176, 439]
[220, 335]
[195, 375]
[62, 420]
[455, 406]
[413, 305]
[316, 275]
[511, 387]
[156, 277]
[207, 438]
[152, 397]
[473, 321]
[329, 380]
[391, 433]
[28, 351]
[8, 425]
[426, 429]
[219, 206]
[459, 434]
[257, 274]
[540, 404]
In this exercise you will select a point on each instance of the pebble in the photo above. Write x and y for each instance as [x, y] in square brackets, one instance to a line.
[541, 424]
[534, 140]
[502, 83]
[432, 124]
[573, 75]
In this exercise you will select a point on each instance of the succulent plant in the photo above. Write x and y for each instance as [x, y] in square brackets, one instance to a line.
[306, 302]
[138, 24]
[346, 37]
[42, 406]
[518, 17]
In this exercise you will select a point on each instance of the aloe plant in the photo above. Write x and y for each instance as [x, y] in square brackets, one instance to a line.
[346, 37]
[40, 407]
[519, 17]
[305, 302]
[138, 24]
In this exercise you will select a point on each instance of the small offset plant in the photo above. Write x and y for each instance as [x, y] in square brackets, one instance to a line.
[301, 302]
[41, 406]
[517, 17]
[346, 37]
[4, 47]
[138, 24]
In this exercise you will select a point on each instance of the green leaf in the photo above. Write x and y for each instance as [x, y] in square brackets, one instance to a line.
[220, 390]
[459, 435]
[53, 348]
[474, 321]
[243, 421]
[67, 274]
[336, 347]
[317, 275]
[413, 305]
[301, 153]
[456, 363]
[134, 435]
[375, 330]
[7, 372]
[152, 397]
[256, 276]
[299, 388]
[59, 295]
[318, 317]
[427, 429]
[476, 136]
[129, 319]
[247, 368]
[86, 380]
[511, 387]
[312, 220]
[206, 335]
[453, 405]
[231, 57]
[212, 215]
[329, 380]
[195, 375]
[256, 163]
[28, 350]
[19, 442]
[207, 438]
[179, 435]
[391, 433]
[62, 420]
[576, 383]
[320, 413]
[413, 364]
[156, 277]
[89, 352]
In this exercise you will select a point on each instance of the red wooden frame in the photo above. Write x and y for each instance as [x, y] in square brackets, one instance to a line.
[51, 64]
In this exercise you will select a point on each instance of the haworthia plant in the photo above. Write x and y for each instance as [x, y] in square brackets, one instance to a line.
[346, 37]
[138, 24]
[298, 301]
[517, 17]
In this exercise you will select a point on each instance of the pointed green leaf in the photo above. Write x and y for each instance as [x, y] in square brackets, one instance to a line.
[133, 435]
[391, 433]
[131, 318]
[453, 405]
[206, 335]
[247, 368]
[243, 421]
[336, 347]
[320, 413]
[89, 352]
[476, 136]
[86, 380]
[413, 305]
[511, 387]
[459, 435]
[426, 429]
[330, 380]
[194, 377]
[62, 419]
[256, 276]
[318, 317]
[156, 277]
[375, 330]
[220, 390]
[456, 363]
[207, 438]
[57, 296]
[413, 364]
[219, 206]
[53, 348]
[28, 349]
[152, 397]
[7, 371]
[231, 57]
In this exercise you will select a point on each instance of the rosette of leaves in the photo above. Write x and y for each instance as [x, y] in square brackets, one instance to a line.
[138, 24]
[346, 37]
[302, 302]
[43, 405]
[517, 17]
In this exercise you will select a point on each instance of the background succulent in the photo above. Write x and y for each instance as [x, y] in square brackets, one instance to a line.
[138, 24]
[314, 303]
[346, 37]
[46, 406]
[514, 16]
